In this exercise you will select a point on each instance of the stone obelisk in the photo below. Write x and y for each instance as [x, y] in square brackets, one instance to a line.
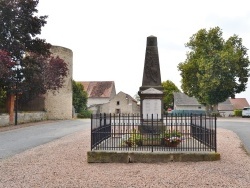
[151, 91]
[151, 73]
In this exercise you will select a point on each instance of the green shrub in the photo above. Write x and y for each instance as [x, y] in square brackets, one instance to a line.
[169, 134]
[84, 114]
[237, 112]
[134, 140]
[217, 114]
[3, 98]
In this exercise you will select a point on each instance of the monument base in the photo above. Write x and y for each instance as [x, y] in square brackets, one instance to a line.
[153, 127]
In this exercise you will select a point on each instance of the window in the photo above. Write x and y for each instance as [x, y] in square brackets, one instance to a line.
[117, 102]
[117, 111]
[246, 108]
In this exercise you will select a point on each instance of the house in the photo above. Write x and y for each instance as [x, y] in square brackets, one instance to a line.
[182, 102]
[102, 98]
[99, 92]
[122, 103]
[226, 108]
[239, 103]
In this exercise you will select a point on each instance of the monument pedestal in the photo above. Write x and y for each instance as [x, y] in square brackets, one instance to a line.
[155, 127]
[151, 111]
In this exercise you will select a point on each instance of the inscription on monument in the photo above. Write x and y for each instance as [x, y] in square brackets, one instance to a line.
[151, 106]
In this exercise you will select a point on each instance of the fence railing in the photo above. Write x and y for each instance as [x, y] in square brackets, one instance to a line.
[125, 132]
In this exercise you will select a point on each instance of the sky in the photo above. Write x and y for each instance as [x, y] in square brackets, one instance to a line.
[108, 37]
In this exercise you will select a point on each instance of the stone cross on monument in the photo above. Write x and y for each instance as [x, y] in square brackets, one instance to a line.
[151, 91]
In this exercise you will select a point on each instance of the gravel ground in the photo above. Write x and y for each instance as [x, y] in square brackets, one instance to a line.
[63, 163]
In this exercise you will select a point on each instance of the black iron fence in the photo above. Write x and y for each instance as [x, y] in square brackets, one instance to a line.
[125, 132]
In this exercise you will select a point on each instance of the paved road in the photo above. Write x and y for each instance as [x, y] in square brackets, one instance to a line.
[18, 140]
[241, 126]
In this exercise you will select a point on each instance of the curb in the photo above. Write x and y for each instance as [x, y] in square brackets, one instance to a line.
[144, 157]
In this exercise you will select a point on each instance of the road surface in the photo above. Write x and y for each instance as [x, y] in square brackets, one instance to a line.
[18, 140]
[241, 126]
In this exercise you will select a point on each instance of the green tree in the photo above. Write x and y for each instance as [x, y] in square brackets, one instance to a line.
[2, 100]
[80, 97]
[19, 27]
[137, 97]
[24, 57]
[214, 69]
[168, 89]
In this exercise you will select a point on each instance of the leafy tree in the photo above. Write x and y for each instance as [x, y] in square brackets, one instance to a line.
[24, 56]
[137, 97]
[80, 97]
[41, 74]
[6, 65]
[168, 88]
[19, 27]
[214, 69]
[2, 100]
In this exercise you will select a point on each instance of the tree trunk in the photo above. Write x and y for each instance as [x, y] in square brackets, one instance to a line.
[215, 108]
[10, 108]
[208, 109]
[211, 109]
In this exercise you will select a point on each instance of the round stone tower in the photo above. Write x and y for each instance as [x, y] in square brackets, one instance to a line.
[58, 105]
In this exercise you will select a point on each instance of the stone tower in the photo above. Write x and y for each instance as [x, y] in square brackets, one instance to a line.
[59, 104]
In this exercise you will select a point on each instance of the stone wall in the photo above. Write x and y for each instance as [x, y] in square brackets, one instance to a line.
[24, 117]
[4, 119]
[58, 105]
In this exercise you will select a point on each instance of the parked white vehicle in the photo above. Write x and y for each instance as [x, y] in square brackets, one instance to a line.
[246, 112]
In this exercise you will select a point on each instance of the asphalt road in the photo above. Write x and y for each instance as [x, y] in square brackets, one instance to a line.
[241, 126]
[18, 140]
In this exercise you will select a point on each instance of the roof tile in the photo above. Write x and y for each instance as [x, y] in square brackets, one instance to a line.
[239, 103]
[98, 89]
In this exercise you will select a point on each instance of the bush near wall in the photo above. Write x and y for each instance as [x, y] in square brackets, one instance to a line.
[84, 114]
[238, 113]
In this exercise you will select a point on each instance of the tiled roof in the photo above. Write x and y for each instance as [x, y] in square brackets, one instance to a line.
[98, 89]
[183, 99]
[239, 103]
[226, 105]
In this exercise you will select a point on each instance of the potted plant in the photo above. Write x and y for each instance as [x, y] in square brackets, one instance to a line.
[171, 138]
[134, 140]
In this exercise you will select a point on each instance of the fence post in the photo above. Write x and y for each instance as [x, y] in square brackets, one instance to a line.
[207, 133]
[104, 117]
[215, 136]
[100, 119]
[91, 134]
[191, 119]
[152, 116]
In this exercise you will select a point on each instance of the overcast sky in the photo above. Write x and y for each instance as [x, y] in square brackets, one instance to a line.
[108, 37]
